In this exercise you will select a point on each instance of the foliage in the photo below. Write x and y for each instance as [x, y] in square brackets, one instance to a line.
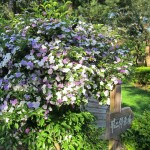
[50, 9]
[48, 66]
[138, 137]
[69, 131]
[142, 75]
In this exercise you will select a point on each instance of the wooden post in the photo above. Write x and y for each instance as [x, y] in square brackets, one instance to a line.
[115, 106]
[147, 50]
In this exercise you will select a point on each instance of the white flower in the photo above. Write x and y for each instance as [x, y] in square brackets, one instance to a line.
[44, 106]
[65, 70]
[101, 83]
[44, 89]
[65, 91]
[78, 66]
[69, 65]
[73, 98]
[18, 88]
[65, 98]
[51, 59]
[106, 93]
[110, 86]
[55, 67]
[50, 71]
[44, 47]
[84, 91]
[71, 79]
[108, 101]
[22, 103]
[38, 98]
[49, 97]
[11, 110]
[88, 86]
[93, 42]
[102, 70]
[59, 95]
[60, 63]
[58, 78]
[7, 57]
[7, 120]
[41, 63]
[57, 41]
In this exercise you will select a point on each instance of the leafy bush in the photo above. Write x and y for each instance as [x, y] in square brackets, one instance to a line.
[48, 66]
[138, 137]
[142, 75]
[69, 131]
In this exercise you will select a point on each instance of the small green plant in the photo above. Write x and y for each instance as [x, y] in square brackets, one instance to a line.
[142, 75]
[71, 130]
[138, 137]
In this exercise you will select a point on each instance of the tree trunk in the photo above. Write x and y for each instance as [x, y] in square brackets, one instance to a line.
[12, 6]
[147, 50]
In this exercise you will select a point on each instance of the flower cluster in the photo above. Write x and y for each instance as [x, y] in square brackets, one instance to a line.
[48, 63]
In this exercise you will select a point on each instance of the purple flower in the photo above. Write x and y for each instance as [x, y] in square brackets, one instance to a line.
[23, 62]
[1, 81]
[6, 87]
[35, 45]
[33, 76]
[27, 130]
[14, 102]
[117, 46]
[69, 95]
[32, 51]
[30, 64]
[77, 83]
[59, 101]
[122, 71]
[6, 81]
[44, 13]
[101, 35]
[45, 58]
[78, 37]
[4, 106]
[111, 48]
[33, 105]
[33, 25]
[36, 105]
[119, 81]
[23, 33]
[60, 85]
[27, 97]
[18, 74]
[118, 59]
[65, 61]
[61, 36]
[46, 112]
[38, 54]
[22, 83]
[30, 105]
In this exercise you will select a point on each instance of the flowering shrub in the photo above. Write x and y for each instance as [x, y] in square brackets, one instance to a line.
[46, 65]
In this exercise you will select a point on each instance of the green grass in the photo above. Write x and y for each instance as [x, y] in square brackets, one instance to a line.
[136, 98]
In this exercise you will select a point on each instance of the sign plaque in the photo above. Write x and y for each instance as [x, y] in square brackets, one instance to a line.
[118, 122]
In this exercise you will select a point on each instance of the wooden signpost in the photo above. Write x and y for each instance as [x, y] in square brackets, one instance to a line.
[115, 119]
[118, 119]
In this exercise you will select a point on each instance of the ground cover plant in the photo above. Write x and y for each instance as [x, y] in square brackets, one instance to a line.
[48, 69]
[138, 99]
